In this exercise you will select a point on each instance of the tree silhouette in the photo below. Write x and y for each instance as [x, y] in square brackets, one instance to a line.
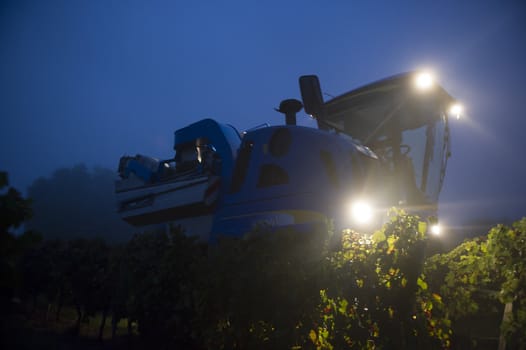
[77, 203]
[14, 210]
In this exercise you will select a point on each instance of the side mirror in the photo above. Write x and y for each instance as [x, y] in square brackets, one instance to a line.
[311, 95]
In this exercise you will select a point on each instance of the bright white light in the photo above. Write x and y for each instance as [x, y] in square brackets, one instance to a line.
[424, 80]
[456, 110]
[362, 212]
[435, 229]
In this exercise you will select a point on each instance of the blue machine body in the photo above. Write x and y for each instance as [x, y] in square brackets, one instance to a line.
[287, 175]
[223, 137]
[383, 142]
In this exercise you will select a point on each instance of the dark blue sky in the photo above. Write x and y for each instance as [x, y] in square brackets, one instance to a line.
[87, 81]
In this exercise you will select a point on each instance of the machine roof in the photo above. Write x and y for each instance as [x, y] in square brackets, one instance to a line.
[368, 111]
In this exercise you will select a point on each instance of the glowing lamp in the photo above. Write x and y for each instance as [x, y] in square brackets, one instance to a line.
[424, 81]
[361, 212]
[456, 110]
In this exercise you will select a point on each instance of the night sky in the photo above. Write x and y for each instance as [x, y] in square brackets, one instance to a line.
[89, 81]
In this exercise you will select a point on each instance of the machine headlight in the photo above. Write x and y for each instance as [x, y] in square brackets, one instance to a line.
[362, 212]
[435, 229]
[424, 81]
[456, 110]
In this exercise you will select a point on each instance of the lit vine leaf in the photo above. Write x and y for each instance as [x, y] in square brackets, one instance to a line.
[378, 236]
[421, 283]
[403, 282]
[312, 336]
[343, 306]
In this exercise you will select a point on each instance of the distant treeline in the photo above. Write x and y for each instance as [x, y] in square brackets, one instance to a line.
[77, 202]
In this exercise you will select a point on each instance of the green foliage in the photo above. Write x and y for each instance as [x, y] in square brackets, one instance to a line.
[41, 271]
[72, 272]
[506, 248]
[377, 296]
[458, 276]
[287, 289]
[86, 273]
[160, 270]
[479, 276]
[261, 291]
